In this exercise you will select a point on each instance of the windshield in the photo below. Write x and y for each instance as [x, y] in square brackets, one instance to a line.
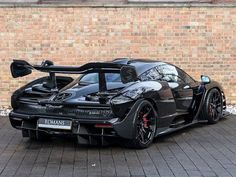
[92, 78]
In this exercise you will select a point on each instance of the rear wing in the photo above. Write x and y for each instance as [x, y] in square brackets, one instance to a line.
[20, 68]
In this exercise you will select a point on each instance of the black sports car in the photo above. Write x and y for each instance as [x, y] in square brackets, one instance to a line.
[129, 100]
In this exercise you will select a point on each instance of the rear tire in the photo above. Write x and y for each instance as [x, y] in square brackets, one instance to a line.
[145, 126]
[213, 107]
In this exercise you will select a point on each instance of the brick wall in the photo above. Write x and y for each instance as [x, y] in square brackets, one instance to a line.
[200, 40]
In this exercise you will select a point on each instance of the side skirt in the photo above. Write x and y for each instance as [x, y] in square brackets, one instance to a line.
[170, 130]
[167, 130]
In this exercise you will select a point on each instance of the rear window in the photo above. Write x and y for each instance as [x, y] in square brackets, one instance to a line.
[92, 78]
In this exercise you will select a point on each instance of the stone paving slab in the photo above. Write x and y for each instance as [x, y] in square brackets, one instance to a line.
[198, 151]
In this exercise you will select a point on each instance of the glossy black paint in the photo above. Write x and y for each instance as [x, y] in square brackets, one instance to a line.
[176, 98]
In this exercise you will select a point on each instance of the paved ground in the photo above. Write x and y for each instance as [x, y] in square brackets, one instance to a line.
[200, 150]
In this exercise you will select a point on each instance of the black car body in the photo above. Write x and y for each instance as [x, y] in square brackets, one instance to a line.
[135, 100]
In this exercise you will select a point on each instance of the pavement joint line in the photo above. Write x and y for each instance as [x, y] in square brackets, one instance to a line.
[208, 149]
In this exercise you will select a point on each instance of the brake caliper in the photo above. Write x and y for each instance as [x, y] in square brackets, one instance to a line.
[145, 121]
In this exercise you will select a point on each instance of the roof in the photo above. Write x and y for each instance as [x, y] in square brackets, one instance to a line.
[141, 65]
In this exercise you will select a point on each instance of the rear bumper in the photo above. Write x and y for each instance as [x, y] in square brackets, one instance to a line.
[80, 127]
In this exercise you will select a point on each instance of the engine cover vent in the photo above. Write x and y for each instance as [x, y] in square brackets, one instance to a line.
[62, 96]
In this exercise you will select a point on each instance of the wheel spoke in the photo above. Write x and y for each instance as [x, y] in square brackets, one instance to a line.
[148, 112]
[218, 109]
[212, 105]
[142, 136]
[152, 121]
[210, 110]
[213, 113]
[143, 129]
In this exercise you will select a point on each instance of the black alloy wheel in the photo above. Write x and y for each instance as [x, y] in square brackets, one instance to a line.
[145, 126]
[213, 107]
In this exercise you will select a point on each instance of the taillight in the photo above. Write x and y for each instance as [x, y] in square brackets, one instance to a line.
[103, 126]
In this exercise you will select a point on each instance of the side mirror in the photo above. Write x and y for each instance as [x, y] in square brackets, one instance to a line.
[20, 68]
[128, 74]
[205, 79]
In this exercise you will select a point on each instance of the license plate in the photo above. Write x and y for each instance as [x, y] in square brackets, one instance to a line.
[55, 124]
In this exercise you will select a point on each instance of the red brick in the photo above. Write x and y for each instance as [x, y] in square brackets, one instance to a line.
[193, 38]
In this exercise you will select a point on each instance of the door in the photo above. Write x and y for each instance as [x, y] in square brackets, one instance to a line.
[183, 95]
[180, 84]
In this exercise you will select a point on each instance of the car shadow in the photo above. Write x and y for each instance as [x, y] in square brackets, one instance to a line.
[71, 142]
